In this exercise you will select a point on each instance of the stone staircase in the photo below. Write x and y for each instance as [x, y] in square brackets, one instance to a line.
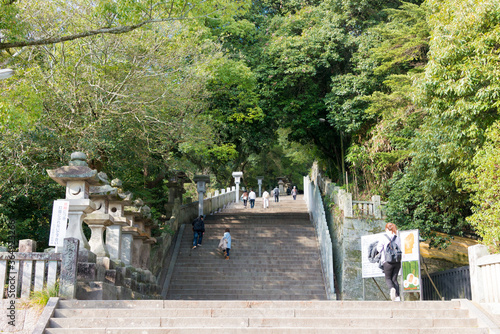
[274, 256]
[272, 283]
[263, 317]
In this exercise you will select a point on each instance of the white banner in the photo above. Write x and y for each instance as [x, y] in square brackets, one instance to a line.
[59, 223]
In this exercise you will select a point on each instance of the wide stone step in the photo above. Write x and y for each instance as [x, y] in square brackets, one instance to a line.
[264, 293]
[248, 297]
[245, 321]
[229, 273]
[285, 330]
[261, 264]
[249, 284]
[257, 312]
[314, 305]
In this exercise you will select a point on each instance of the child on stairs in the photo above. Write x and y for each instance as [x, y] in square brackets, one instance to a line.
[225, 243]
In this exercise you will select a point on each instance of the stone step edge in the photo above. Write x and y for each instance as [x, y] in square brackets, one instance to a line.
[263, 330]
[270, 314]
[258, 304]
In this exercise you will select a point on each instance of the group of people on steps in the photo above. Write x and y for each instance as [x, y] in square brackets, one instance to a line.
[251, 196]
[199, 230]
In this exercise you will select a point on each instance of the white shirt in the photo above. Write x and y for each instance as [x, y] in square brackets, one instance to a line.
[265, 194]
[252, 195]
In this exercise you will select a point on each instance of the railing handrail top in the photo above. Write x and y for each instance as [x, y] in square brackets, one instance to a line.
[35, 256]
[488, 260]
[362, 202]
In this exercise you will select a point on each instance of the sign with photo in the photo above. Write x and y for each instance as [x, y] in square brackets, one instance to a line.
[411, 260]
[370, 269]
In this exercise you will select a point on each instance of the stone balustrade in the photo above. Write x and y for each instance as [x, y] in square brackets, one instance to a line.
[316, 210]
[31, 271]
[484, 275]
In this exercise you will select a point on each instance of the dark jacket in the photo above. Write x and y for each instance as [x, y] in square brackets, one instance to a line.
[198, 225]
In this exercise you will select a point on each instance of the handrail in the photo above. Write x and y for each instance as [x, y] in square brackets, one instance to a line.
[316, 210]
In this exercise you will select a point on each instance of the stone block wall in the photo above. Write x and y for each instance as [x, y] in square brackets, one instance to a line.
[350, 275]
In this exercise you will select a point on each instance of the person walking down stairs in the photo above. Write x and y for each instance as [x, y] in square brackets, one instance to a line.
[198, 230]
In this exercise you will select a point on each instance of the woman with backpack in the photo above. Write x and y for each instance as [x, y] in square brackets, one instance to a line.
[389, 247]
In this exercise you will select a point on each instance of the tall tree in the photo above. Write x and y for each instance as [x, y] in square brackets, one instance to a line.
[48, 22]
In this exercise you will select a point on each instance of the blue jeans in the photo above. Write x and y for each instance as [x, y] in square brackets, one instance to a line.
[227, 251]
[252, 203]
[198, 237]
[276, 198]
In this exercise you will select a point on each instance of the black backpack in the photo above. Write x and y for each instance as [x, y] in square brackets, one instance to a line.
[392, 251]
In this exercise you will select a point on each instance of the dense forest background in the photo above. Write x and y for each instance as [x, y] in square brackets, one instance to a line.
[393, 98]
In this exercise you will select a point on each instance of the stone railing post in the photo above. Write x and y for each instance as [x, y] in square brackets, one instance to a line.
[377, 212]
[216, 204]
[347, 201]
[476, 278]
[77, 177]
[26, 246]
[69, 265]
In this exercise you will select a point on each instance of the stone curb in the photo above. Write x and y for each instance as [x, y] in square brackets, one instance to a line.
[482, 317]
[170, 271]
[47, 313]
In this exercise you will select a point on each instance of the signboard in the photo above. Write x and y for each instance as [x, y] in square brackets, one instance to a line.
[59, 223]
[411, 261]
[370, 269]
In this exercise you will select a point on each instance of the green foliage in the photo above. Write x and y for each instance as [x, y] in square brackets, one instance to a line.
[461, 84]
[404, 40]
[427, 204]
[409, 92]
[483, 182]
[459, 91]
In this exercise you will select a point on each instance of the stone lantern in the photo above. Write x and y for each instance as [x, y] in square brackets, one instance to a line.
[281, 183]
[201, 186]
[77, 178]
[176, 189]
[100, 218]
[259, 181]
[116, 209]
[129, 231]
[145, 224]
[237, 177]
